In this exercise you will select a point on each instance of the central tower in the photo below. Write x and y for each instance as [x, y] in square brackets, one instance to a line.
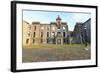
[58, 21]
[59, 37]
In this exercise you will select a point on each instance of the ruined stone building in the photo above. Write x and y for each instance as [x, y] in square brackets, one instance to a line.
[77, 38]
[52, 33]
[82, 32]
[86, 31]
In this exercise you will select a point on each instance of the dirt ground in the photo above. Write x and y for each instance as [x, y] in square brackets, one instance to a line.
[60, 53]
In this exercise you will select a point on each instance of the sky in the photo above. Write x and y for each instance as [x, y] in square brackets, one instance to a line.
[50, 16]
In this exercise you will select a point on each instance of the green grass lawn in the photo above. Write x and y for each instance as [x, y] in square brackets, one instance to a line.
[50, 52]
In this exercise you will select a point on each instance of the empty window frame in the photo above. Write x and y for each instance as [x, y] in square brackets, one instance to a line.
[34, 34]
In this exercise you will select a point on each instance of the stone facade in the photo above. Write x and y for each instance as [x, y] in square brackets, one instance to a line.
[26, 37]
[86, 31]
[77, 38]
[82, 32]
[53, 33]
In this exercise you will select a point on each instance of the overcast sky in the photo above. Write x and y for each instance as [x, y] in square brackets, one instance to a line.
[50, 16]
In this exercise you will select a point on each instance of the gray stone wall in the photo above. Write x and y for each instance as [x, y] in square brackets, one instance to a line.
[82, 32]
